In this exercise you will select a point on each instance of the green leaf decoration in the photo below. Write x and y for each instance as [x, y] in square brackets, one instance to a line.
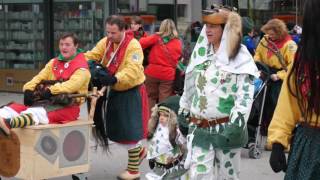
[200, 158]
[214, 80]
[246, 88]
[246, 96]
[227, 164]
[224, 89]
[228, 79]
[232, 155]
[205, 151]
[200, 39]
[225, 105]
[202, 51]
[195, 100]
[239, 119]
[234, 88]
[231, 172]
[202, 81]
[201, 168]
[243, 103]
[203, 103]
[247, 79]
[225, 151]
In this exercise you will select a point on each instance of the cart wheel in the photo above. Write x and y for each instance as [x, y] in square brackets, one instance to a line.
[79, 176]
[254, 153]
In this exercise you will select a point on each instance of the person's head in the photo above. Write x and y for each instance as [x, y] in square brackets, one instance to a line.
[136, 23]
[216, 21]
[275, 29]
[115, 28]
[247, 26]
[163, 117]
[68, 44]
[168, 29]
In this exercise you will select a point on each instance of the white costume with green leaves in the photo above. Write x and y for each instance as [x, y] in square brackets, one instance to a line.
[218, 87]
[161, 150]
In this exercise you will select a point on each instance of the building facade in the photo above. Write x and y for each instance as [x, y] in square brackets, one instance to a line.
[29, 28]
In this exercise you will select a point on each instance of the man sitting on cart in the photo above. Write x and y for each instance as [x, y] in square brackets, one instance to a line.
[47, 96]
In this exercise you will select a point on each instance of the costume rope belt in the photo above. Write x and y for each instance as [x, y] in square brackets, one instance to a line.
[204, 123]
[171, 164]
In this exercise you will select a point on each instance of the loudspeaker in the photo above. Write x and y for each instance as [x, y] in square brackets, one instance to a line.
[54, 150]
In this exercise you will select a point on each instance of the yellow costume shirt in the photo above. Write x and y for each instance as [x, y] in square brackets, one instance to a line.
[78, 82]
[130, 72]
[286, 116]
[288, 51]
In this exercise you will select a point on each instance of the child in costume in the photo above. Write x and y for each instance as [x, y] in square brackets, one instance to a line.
[166, 143]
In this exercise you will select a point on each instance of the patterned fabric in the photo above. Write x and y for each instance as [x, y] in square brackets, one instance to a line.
[304, 159]
[219, 94]
[215, 164]
[21, 121]
[160, 149]
[133, 161]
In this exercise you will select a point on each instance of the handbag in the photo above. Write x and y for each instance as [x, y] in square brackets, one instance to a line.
[178, 82]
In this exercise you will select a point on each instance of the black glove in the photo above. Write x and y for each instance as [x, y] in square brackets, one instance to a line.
[107, 80]
[46, 94]
[151, 163]
[62, 99]
[278, 158]
[28, 97]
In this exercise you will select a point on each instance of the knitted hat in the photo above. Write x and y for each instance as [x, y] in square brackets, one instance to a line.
[170, 106]
[247, 25]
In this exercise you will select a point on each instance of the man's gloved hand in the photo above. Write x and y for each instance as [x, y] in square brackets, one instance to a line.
[107, 80]
[278, 158]
[28, 97]
[62, 99]
[46, 94]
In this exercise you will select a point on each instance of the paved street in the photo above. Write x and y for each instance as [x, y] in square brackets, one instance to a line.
[107, 166]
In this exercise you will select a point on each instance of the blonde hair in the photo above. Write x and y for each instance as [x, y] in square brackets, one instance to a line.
[278, 26]
[168, 28]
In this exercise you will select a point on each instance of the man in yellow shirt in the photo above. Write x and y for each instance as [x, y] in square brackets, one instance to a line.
[44, 96]
[127, 113]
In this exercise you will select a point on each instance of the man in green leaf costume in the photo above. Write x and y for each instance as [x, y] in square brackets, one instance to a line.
[217, 98]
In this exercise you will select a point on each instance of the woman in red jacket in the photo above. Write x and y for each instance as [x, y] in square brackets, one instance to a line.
[165, 52]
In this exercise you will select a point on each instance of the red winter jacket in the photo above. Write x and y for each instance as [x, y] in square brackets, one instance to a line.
[163, 58]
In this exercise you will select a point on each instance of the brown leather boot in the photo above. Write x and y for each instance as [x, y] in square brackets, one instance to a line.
[126, 175]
